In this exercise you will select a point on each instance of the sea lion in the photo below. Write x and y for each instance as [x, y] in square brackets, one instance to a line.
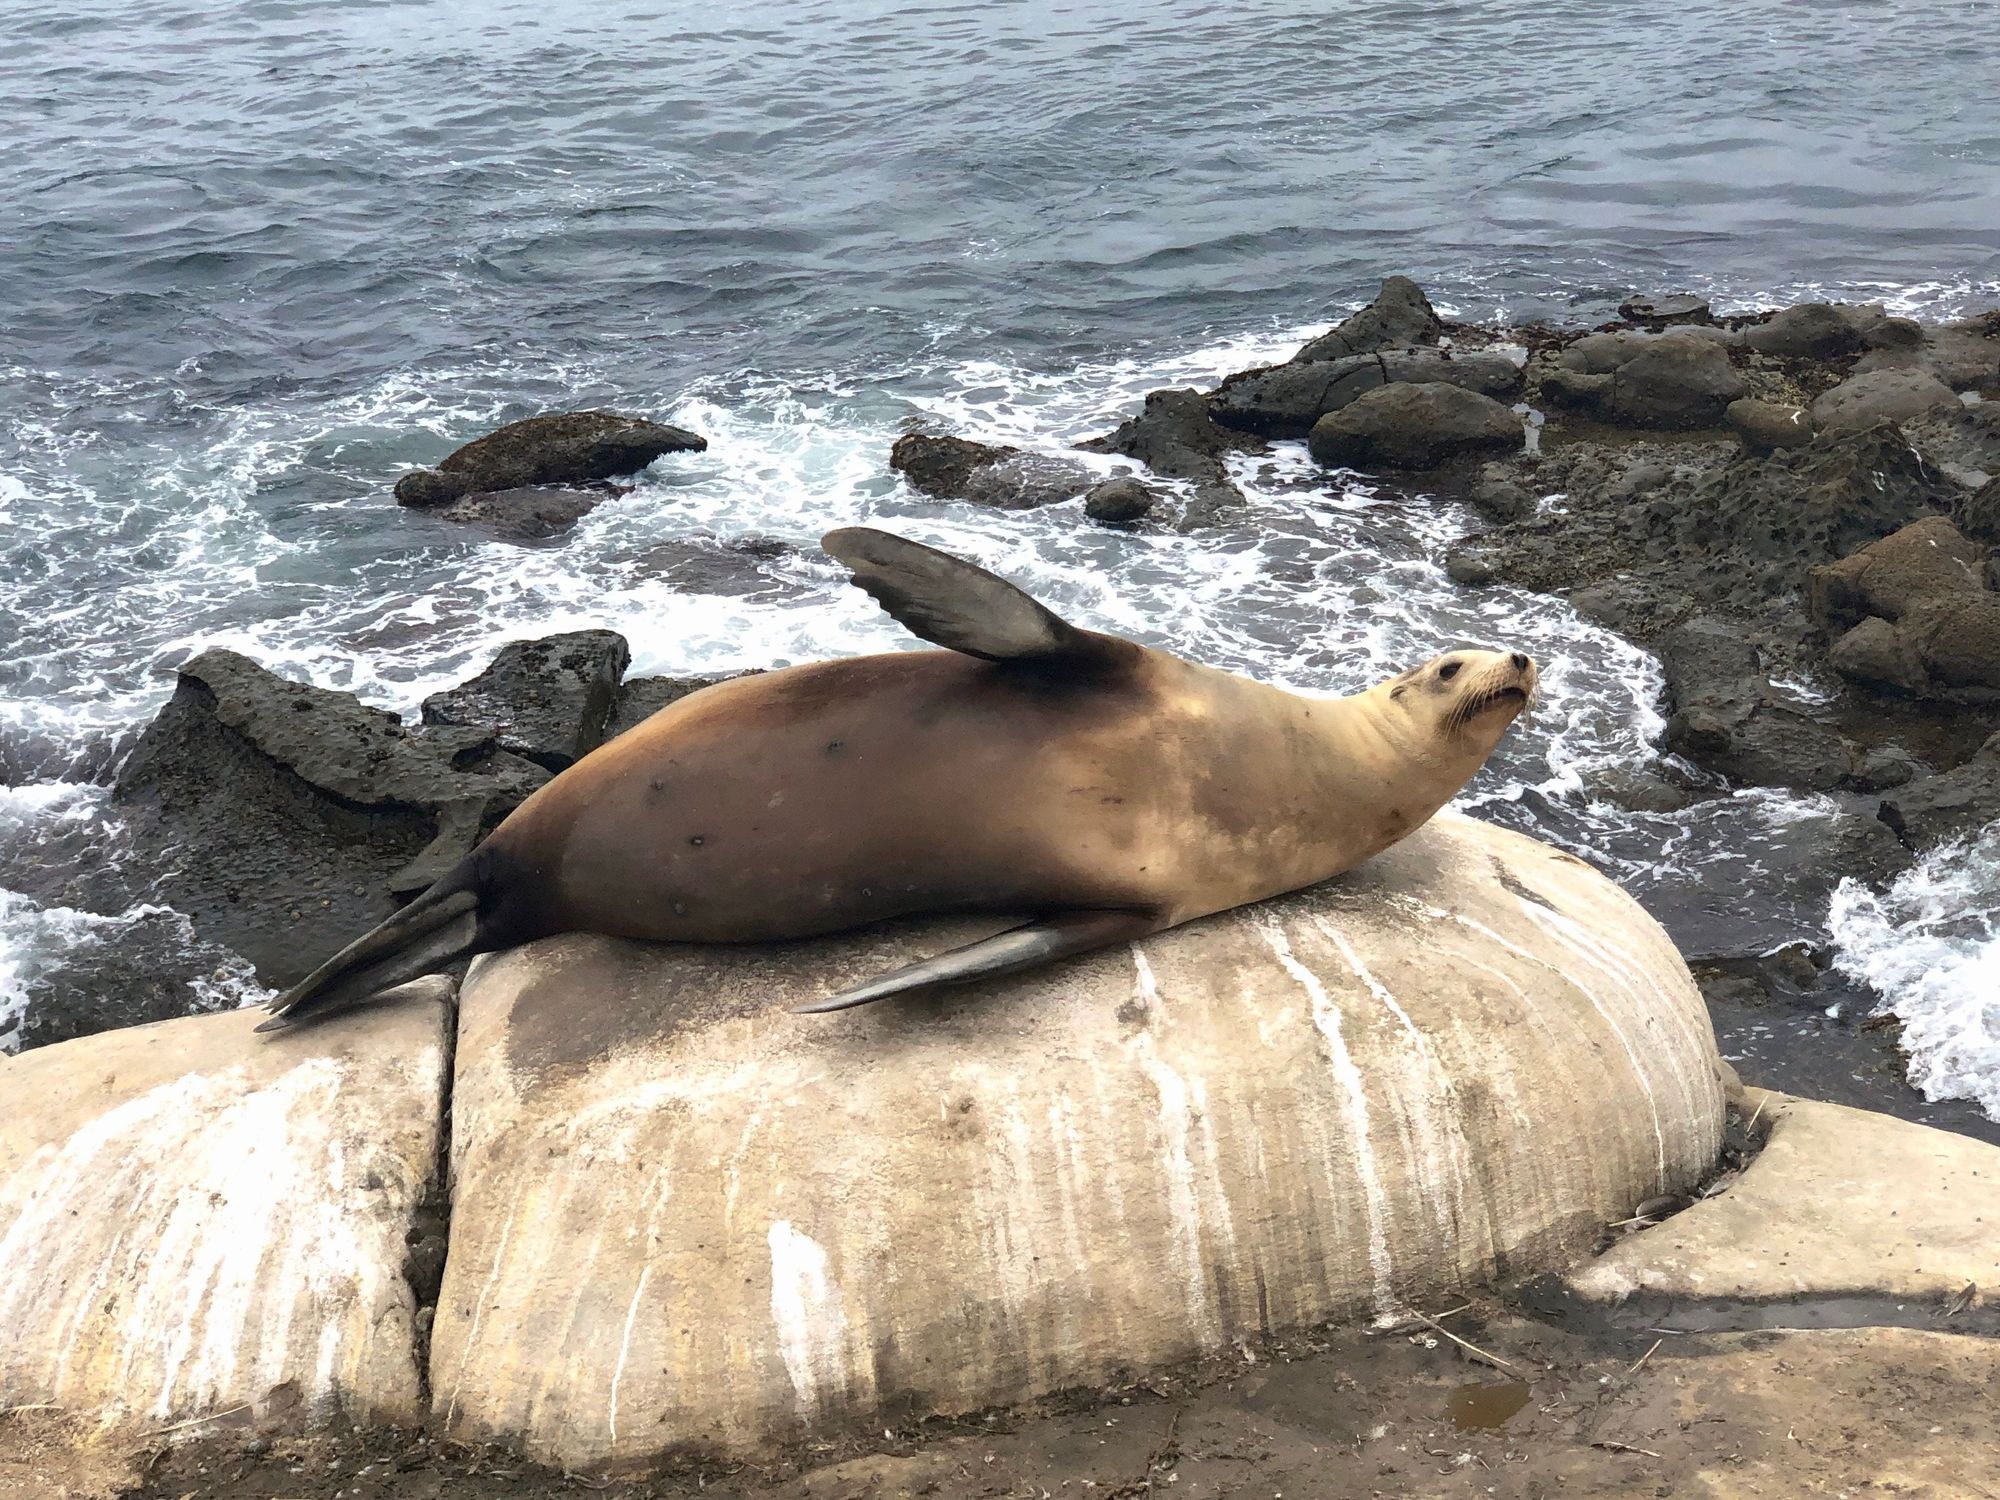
[1107, 789]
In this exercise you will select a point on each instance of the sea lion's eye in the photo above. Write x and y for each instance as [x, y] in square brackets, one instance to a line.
[1448, 671]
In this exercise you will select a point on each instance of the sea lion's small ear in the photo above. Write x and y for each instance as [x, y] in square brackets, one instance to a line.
[949, 602]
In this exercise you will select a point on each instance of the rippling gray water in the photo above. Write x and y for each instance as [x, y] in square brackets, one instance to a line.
[257, 259]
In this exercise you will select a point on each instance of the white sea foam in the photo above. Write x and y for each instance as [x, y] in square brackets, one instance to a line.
[1929, 945]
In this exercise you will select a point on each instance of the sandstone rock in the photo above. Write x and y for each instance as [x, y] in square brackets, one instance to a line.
[1764, 426]
[1925, 562]
[194, 1222]
[1176, 436]
[1885, 396]
[955, 468]
[556, 448]
[1811, 330]
[1876, 654]
[547, 700]
[284, 816]
[1118, 501]
[1959, 642]
[1842, 1207]
[1413, 427]
[1400, 315]
[684, 1215]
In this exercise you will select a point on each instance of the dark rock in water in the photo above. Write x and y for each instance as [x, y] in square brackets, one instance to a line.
[283, 816]
[556, 448]
[642, 697]
[1927, 562]
[955, 468]
[548, 700]
[1675, 381]
[1764, 426]
[1681, 307]
[1400, 315]
[1728, 716]
[1884, 396]
[1811, 330]
[145, 974]
[1413, 427]
[1177, 437]
[1118, 501]
[738, 567]
[524, 515]
[1286, 400]
[1950, 805]
[1209, 505]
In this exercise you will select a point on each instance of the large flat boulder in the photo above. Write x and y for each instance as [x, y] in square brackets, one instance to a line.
[1406, 426]
[1284, 401]
[1846, 1216]
[196, 1221]
[684, 1216]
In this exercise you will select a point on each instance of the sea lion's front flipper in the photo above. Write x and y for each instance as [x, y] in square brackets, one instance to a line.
[953, 604]
[1004, 953]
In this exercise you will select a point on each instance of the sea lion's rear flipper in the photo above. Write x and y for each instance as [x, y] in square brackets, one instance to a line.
[438, 927]
[950, 603]
[1007, 952]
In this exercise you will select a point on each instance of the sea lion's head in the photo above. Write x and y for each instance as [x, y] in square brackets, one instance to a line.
[1460, 703]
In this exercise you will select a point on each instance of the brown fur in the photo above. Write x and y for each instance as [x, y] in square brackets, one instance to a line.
[827, 796]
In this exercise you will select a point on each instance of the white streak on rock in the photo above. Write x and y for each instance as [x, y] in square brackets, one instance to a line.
[1439, 1142]
[1638, 1073]
[1538, 916]
[479, 1314]
[175, 1240]
[1183, 1207]
[807, 1312]
[1326, 1020]
[625, 1352]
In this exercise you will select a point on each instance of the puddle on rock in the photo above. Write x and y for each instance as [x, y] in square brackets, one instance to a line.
[1479, 1405]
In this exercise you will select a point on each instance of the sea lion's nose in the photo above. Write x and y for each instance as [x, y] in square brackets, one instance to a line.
[1520, 661]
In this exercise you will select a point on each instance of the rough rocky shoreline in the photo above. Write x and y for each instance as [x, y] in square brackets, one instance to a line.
[1794, 510]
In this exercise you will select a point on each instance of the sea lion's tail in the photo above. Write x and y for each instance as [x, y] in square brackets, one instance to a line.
[440, 925]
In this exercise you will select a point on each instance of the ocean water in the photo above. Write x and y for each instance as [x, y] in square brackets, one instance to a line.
[256, 260]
